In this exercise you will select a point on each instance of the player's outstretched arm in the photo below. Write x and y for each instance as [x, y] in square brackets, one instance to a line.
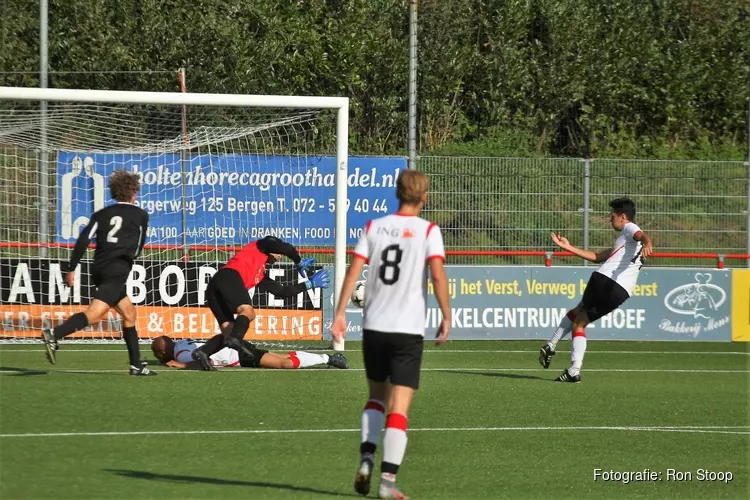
[320, 279]
[440, 283]
[338, 329]
[563, 243]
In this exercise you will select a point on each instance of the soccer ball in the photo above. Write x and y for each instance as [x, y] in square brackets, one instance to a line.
[358, 295]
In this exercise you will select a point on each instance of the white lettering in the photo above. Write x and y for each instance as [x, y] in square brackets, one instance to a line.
[164, 279]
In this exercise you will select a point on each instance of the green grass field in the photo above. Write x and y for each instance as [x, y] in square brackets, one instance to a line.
[488, 422]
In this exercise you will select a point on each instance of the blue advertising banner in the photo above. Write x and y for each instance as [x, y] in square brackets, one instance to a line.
[229, 199]
[505, 303]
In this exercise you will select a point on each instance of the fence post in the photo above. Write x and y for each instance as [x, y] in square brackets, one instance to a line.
[548, 259]
[586, 204]
[412, 139]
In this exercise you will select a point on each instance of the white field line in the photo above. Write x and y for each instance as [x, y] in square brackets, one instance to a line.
[332, 370]
[740, 429]
[438, 351]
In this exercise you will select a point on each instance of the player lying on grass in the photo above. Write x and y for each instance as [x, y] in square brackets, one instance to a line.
[608, 288]
[179, 355]
[120, 233]
[227, 292]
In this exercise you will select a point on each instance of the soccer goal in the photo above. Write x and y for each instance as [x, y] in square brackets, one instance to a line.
[217, 172]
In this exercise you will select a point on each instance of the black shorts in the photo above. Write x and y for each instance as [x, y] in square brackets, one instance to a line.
[225, 294]
[257, 355]
[602, 296]
[394, 356]
[110, 279]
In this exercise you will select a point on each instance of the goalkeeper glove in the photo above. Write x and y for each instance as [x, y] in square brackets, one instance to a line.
[305, 266]
[319, 280]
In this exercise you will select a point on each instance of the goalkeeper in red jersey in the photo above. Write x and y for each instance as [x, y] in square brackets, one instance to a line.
[227, 292]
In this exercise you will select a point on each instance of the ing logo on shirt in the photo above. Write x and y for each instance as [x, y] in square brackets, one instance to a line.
[395, 232]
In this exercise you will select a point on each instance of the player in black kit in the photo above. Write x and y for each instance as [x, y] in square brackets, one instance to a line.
[120, 232]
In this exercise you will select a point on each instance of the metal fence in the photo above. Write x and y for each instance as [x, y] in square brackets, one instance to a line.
[515, 203]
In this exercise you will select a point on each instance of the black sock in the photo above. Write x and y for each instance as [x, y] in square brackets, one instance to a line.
[131, 341]
[78, 321]
[367, 447]
[388, 468]
[213, 345]
[241, 324]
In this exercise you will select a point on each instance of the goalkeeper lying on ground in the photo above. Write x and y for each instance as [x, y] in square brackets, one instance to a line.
[179, 355]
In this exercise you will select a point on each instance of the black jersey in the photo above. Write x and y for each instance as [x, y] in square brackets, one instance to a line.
[120, 233]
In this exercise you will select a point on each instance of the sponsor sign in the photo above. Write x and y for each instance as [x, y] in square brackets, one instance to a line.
[741, 305]
[229, 199]
[499, 303]
[169, 297]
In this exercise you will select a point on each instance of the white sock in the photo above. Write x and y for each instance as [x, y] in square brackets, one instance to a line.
[564, 328]
[303, 359]
[394, 443]
[371, 423]
[577, 352]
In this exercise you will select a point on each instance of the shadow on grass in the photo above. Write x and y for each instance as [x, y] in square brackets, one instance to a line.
[496, 374]
[21, 372]
[24, 372]
[222, 482]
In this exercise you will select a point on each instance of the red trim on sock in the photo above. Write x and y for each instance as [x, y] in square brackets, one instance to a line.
[373, 404]
[579, 334]
[396, 421]
[294, 358]
[571, 315]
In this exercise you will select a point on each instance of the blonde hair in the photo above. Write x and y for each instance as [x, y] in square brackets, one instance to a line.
[123, 185]
[411, 186]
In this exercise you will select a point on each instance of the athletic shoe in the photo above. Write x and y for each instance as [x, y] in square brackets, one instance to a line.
[338, 360]
[545, 355]
[205, 362]
[364, 475]
[567, 377]
[142, 371]
[50, 344]
[388, 489]
[240, 347]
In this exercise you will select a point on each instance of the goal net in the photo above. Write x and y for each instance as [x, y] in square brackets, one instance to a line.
[217, 172]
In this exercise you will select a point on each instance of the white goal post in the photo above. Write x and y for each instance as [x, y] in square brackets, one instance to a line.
[270, 139]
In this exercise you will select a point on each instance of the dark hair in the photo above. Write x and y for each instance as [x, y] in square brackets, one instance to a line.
[123, 185]
[624, 206]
